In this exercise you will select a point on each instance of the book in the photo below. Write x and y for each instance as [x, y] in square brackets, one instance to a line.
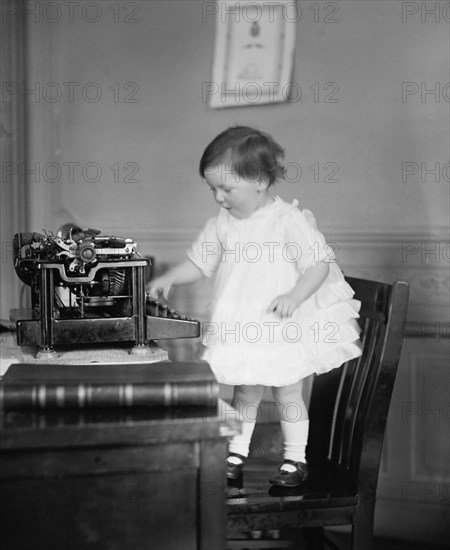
[142, 385]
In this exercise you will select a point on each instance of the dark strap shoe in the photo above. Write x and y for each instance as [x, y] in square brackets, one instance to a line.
[284, 478]
[234, 471]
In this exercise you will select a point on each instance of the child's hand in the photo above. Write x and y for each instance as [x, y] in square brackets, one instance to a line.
[284, 305]
[160, 285]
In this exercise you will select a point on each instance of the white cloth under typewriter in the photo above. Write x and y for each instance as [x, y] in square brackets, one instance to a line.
[254, 260]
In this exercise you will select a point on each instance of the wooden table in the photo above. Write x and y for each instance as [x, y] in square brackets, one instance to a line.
[119, 479]
[129, 482]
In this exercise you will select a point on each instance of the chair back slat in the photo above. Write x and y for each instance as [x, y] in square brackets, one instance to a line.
[354, 378]
[368, 440]
[348, 370]
[362, 386]
[343, 400]
[321, 411]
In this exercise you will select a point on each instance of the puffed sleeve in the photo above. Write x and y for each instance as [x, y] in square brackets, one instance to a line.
[306, 243]
[205, 252]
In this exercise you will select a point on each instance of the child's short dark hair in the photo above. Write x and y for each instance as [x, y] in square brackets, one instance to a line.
[253, 154]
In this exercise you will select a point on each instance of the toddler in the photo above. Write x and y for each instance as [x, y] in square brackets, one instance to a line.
[281, 308]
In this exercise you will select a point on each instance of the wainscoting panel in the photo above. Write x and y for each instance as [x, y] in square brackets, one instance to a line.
[429, 410]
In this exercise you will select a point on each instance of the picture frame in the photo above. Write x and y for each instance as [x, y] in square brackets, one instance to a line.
[253, 53]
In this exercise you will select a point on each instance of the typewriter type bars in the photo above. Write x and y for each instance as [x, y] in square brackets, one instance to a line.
[87, 288]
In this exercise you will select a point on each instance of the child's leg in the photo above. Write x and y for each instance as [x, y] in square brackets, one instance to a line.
[294, 421]
[246, 401]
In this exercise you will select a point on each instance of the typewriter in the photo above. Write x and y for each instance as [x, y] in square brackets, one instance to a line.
[87, 288]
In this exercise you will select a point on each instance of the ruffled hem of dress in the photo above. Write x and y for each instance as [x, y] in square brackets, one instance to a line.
[339, 312]
[317, 330]
[335, 290]
[315, 337]
[288, 369]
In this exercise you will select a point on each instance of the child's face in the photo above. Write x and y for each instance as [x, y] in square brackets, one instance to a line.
[239, 196]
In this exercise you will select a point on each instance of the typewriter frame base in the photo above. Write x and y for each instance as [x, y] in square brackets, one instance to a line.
[44, 328]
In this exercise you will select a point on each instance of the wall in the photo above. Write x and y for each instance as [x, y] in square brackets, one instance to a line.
[149, 126]
[13, 205]
[387, 215]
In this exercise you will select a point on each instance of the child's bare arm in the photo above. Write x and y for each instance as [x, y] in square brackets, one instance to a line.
[183, 273]
[306, 285]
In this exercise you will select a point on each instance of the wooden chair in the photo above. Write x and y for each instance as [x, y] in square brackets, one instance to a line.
[348, 412]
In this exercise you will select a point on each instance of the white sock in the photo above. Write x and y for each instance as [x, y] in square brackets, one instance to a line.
[240, 443]
[295, 439]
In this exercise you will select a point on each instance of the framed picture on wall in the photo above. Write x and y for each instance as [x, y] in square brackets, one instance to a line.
[254, 53]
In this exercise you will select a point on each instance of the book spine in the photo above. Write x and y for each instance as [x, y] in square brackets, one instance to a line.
[60, 396]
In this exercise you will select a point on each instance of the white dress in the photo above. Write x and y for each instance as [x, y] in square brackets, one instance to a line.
[254, 260]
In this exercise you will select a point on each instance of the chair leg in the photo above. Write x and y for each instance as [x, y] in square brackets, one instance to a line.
[362, 531]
